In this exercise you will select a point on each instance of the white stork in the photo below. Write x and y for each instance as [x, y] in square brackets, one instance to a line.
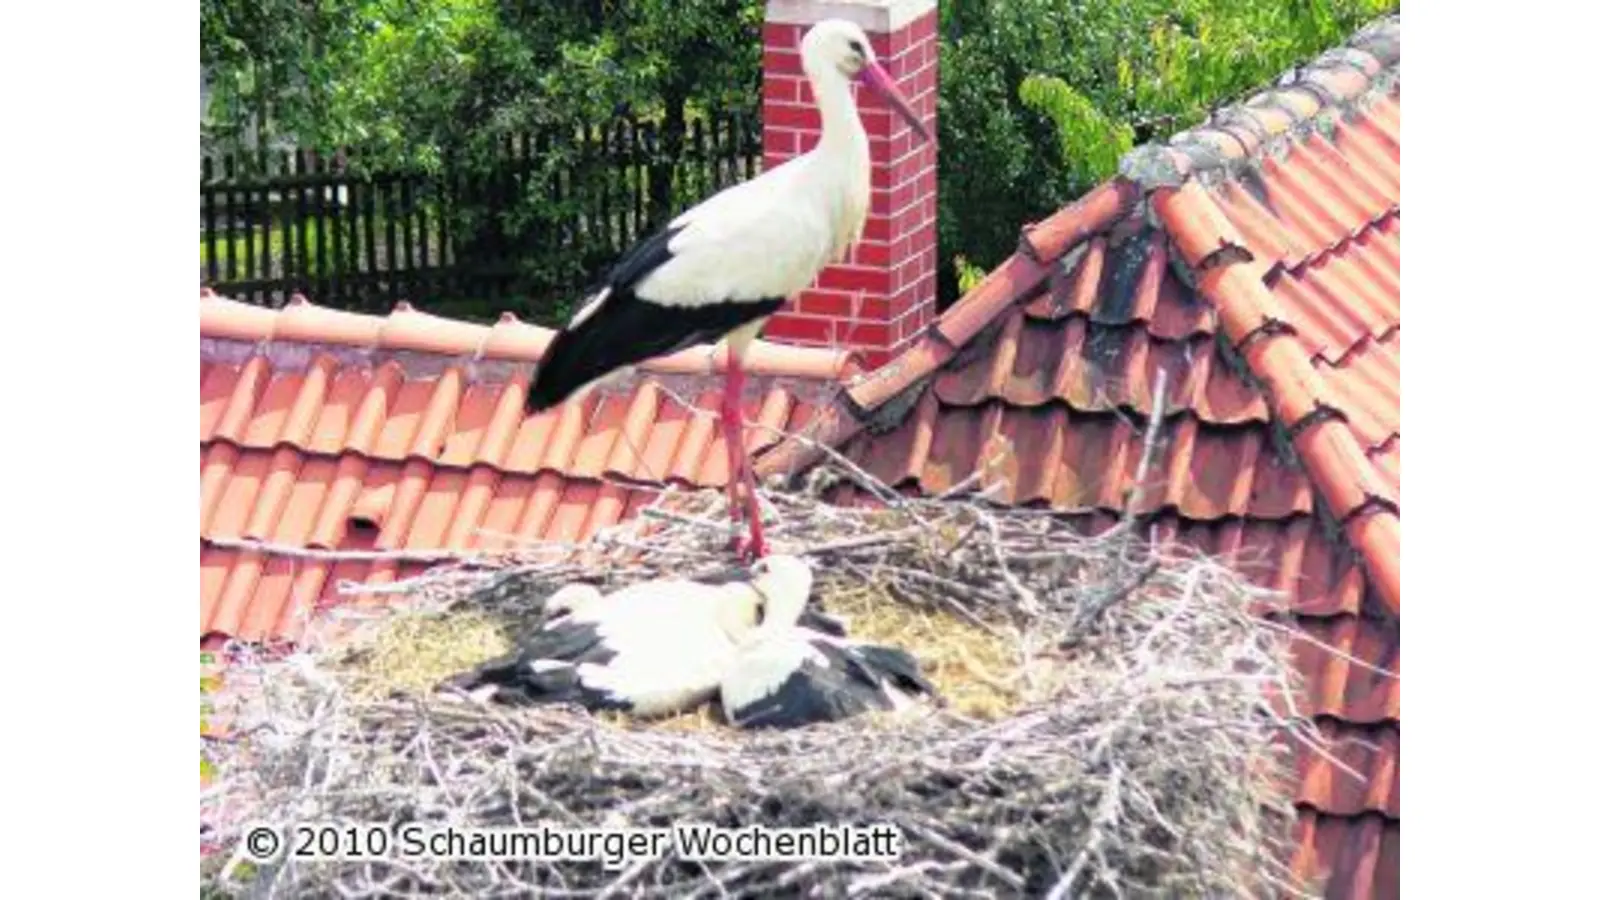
[799, 676]
[651, 649]
[716, 272]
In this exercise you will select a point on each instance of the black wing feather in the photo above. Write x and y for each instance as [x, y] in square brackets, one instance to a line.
[900, 667]
[627, 329]
[816, 693]
[517, 682]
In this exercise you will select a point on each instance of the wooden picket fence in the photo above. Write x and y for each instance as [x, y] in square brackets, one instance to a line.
[279, 224]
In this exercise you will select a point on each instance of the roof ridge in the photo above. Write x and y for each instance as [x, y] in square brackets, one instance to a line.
[1039, 245]
[1307, 95]
[1298, 395]
[510, 339]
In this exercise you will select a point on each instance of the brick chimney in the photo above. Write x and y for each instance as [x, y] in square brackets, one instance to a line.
[883, 295]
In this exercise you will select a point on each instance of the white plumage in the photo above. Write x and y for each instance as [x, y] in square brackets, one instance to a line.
[719, 270]
[650, 649]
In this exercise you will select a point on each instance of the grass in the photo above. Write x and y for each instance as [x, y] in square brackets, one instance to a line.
[272, 243]
[411, 652]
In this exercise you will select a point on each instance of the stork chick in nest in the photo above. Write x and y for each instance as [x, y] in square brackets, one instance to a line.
[651, 649]
[792, 677]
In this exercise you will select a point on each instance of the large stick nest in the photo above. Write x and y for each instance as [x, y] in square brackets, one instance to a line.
[1110, 730]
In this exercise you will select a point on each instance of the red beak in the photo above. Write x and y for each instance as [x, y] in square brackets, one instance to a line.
[874, 77]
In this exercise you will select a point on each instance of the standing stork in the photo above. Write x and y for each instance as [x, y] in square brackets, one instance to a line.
[717, 271]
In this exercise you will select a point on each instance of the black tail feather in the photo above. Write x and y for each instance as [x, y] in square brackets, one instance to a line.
[500, 671]
[567, 366]
[626, 331]
[901, 667]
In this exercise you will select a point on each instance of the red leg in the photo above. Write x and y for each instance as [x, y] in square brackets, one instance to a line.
[730, 412]
[757, 546]
[739, 470]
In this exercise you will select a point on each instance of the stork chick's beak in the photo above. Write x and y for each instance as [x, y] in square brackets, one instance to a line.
[875, 77]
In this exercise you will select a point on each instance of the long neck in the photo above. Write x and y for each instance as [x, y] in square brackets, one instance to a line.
[842, 132]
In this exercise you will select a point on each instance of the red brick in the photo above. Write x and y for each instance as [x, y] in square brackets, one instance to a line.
[880, 204]
[779, 36]
[908, 83]
[845, 305]
[781, 62]
[916, 269]
[855, 333]
[791, 115]
[912, 218]
[780, 141]
[901, 195]
[912, 242]
[898, 304]
[902, 249]
[907, 171]
[792, 327]
[853, 278]
[877, 229]
[780, 89]
[899, 40]
[870, 253]
[770, 160]
[891, 149]
[925, 81]
[831, 304]
[877, 121]
[910, 59]
[908, 326]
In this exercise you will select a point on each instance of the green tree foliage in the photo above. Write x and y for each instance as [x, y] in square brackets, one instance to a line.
[340, 73]
[413, 81]
[1038, 99]
[443, 84]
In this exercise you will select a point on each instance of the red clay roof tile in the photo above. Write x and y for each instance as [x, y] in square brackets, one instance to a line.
[325, 430]
[1045, 362]
[1068, 226]
[1347, 661]
[1327, 783]
[1356, 857]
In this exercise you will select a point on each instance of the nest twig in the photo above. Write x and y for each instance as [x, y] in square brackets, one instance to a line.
[1144, 757]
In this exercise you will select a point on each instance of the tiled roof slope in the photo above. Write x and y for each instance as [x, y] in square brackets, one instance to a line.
[324, 430]
[1257, 261]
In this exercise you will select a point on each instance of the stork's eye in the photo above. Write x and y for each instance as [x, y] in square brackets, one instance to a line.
[856, 46]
